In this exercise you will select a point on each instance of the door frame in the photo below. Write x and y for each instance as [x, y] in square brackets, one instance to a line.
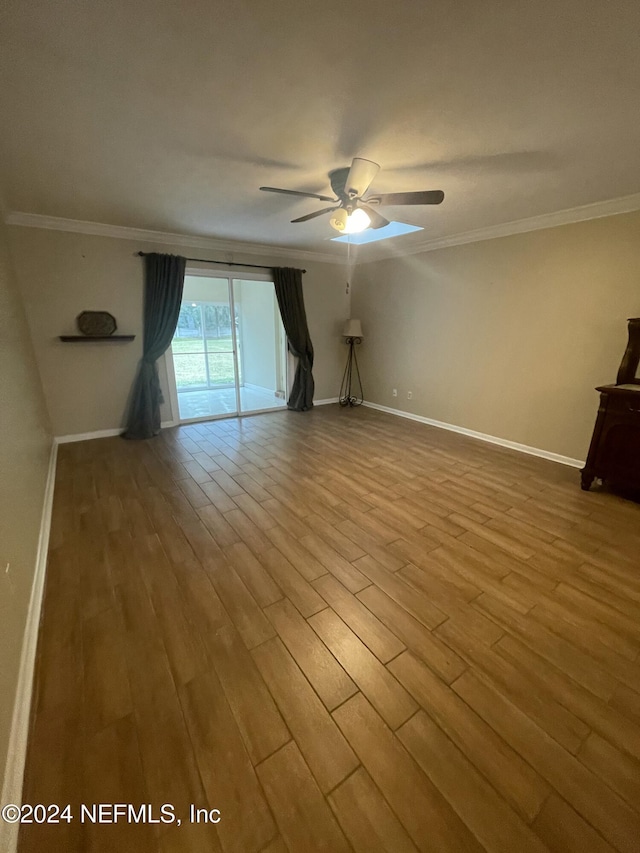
[207, 272]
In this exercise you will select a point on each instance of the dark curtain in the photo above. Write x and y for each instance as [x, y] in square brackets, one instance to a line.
[288, 284]
[164, 282]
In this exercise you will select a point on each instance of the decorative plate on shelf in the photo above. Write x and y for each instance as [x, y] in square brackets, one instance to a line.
[96, 323]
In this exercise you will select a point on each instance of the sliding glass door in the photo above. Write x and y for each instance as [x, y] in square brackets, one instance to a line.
[228, 353]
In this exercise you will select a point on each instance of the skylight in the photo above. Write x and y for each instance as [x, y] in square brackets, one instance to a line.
[373, 235]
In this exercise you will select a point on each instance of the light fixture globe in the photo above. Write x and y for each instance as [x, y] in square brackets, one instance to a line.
[339, 219]
[358, 221]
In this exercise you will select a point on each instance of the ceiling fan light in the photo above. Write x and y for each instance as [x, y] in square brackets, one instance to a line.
[339, 219]
[358, 221]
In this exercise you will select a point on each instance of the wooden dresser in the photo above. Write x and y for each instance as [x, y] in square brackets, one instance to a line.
[614, 453]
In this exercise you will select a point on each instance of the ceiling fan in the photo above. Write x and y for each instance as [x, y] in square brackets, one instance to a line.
[351, 212]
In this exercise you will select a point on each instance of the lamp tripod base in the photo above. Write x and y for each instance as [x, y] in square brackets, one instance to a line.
[351, 381]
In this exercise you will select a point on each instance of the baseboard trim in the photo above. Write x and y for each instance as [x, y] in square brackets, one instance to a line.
[18, 738]
[326, 402]
[107, 433]
[87, 436]
[102, 433]
[481, 436]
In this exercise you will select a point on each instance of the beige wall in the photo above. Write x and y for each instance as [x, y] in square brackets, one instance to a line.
[87, 385]
[25, 445]
[507, 337]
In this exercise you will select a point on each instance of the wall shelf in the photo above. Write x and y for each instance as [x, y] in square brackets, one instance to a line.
[69, 339]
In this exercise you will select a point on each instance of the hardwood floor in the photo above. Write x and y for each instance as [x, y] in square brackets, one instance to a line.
[345, 631]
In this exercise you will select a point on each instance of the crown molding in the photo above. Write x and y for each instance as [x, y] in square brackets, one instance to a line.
[583, 213]
[142, 235]
[597, 210]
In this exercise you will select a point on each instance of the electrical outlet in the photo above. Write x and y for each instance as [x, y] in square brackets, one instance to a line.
[394, 393]
[409, 395]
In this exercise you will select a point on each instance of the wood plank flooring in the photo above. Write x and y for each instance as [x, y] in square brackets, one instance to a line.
[345, 631]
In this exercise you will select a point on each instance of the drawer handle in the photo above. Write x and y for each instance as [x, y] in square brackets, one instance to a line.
[631, 409]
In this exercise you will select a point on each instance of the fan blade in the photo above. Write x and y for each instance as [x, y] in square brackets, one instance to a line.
[361, 173]
[338, 178]
[377, 220]
[298, 193]
[426, 197]
[314, 214]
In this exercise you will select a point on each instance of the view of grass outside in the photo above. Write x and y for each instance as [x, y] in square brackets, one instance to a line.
[189, 362]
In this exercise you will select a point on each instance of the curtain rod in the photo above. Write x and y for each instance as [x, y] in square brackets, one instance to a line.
[224, 263]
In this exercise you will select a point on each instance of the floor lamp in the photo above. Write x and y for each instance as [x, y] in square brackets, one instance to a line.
[351, 382]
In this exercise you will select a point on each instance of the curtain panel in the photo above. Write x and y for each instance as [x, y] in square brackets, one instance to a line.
[288, 285]
[164, 283]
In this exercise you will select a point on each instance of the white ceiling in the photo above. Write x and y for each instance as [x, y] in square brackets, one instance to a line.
[169, 115]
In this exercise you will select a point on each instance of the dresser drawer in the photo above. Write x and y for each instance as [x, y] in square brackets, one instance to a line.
[623, 404]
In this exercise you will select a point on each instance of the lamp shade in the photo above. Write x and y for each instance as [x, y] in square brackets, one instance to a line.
[352, 329]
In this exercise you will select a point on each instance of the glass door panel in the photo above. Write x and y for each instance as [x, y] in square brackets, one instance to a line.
[203, 350]
[261, 346]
